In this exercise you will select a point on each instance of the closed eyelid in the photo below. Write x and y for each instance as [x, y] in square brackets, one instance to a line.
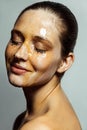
[43, 41]
[18, 33]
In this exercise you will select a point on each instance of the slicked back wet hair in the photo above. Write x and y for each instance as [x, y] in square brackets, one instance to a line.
[69, 35]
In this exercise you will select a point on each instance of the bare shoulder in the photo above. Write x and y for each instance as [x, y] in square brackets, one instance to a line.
[39, 124]
[48, 123]
[36, 124]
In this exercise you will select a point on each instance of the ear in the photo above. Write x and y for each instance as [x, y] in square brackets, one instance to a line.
[66, 63]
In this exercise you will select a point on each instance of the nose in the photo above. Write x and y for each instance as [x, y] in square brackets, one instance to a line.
[22, 53]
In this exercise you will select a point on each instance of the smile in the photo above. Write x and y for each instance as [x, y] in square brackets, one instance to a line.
[17, 69]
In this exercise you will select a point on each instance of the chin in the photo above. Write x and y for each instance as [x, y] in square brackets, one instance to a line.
[18, 81]
[15, 84]
[15, 80]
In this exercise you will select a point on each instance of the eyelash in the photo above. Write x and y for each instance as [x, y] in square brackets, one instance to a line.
[36, 49]
[15, 42]
[40, 50]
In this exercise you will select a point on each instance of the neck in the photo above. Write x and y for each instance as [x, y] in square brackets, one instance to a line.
[38, 99]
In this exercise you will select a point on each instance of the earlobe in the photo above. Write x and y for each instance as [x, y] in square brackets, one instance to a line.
[66, 63]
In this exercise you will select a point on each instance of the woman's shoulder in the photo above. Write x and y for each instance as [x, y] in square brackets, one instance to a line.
[37, 124]
[46, 122]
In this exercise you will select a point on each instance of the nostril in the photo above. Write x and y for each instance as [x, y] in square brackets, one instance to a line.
[15, 60]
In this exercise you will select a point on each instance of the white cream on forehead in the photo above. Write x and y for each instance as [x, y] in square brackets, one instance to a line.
[43, 32]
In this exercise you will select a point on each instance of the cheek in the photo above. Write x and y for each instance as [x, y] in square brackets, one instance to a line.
[44, 62]
[9, 53]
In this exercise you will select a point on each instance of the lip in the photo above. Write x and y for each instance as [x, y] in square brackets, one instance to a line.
[17, 69]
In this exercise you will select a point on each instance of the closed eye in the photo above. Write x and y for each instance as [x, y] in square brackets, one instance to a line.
[14, 42]
[40, 50]
[16, 37]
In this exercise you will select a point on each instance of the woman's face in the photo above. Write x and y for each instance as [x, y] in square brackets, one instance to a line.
[33, 53]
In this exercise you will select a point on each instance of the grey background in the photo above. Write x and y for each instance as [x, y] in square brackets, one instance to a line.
[12, 101]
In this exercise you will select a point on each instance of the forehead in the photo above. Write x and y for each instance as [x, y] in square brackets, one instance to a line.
[33, 21]
[39, 17]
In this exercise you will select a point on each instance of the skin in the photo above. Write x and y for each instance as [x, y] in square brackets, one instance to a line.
[33, 60]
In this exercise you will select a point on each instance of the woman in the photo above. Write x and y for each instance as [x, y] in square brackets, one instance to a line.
[38, 54]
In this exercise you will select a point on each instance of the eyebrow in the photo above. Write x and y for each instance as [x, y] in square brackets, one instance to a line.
[43, 40]
[36, 38]
[18, 33]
